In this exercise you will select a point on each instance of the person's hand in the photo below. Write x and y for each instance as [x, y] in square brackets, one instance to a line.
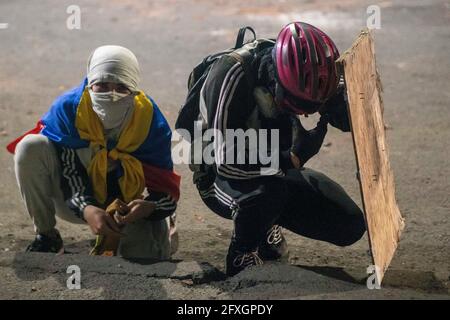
[307, 143]
[336, 109]
[139, 209]
[100, 222]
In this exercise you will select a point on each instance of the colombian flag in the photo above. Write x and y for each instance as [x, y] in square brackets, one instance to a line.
[143, 147]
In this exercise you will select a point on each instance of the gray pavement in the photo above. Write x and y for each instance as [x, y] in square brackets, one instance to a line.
[44, 276]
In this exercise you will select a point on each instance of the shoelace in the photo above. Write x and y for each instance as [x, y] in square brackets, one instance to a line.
[247, 260]
[274, 235]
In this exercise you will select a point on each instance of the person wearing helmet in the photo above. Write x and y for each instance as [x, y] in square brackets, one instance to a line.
[100, 141]
[294, 76]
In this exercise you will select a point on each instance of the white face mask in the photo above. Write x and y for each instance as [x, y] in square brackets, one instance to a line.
[111, 107]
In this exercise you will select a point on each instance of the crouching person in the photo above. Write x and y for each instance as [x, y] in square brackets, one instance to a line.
[265, 85]
[101, 141]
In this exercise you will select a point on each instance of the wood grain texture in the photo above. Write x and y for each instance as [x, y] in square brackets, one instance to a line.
[365, 105]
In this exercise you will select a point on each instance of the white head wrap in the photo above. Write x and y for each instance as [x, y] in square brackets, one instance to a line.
[117, 65]
[113, 64]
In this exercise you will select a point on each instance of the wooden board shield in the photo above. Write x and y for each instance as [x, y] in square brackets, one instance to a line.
[365, 105]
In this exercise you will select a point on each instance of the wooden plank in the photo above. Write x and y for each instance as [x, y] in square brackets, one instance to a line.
[365, 105]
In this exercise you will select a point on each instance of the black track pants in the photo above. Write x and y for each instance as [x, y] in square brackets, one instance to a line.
[304, 201]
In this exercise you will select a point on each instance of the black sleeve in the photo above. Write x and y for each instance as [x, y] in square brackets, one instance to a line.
[229, 104]
[287, 124]
[75, 182]
[165, 205]
[285, 160]
[337, 111]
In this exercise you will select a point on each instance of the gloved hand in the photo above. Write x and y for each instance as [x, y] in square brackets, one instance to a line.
[336, 109]
[307, 143]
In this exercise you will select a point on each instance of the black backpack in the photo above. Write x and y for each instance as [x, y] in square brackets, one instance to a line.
[244, 52]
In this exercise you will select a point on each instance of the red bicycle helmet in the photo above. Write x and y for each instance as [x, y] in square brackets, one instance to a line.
[304, 58]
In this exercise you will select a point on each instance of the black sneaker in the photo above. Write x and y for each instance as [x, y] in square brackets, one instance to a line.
[45, 243]
[274, 246]
[238, 261]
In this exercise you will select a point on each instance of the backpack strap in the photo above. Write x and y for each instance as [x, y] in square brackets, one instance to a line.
[241, 35]
[245, 57]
